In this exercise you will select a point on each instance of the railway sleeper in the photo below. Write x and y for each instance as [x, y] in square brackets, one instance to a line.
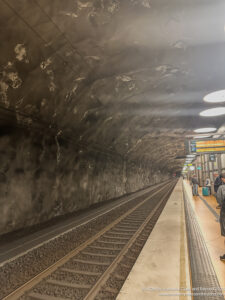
[98, 254]
[90, 262]
[68, 284]
[88, 273]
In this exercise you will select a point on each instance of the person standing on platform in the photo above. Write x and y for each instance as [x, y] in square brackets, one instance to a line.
[217, 184]
[208, 184]
[221, 198]
[194, 182]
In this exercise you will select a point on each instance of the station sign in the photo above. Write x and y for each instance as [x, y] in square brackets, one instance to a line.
[207, 146]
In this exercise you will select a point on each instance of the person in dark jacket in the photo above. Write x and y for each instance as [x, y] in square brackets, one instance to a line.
[221, 198]
[217, 184]
[194, 182]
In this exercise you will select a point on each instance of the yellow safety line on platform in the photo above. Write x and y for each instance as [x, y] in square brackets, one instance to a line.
[184, 261]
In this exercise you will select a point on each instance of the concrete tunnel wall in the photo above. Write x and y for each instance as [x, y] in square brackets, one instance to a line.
[40, 179]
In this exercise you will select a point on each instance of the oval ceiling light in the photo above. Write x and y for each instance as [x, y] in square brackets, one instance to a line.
[215, 97]
[205, 130]
[201, 136]
[212, 112]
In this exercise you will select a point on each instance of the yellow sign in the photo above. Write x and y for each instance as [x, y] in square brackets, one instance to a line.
[212, 143]
[207, 146]
[199, 150]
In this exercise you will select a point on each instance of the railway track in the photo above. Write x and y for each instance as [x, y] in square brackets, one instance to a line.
[98, 267]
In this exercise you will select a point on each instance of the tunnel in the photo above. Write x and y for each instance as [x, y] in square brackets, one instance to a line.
[98, 99]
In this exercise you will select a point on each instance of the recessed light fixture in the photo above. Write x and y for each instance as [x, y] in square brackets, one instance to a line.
[201, 136]
[212, 112]
[205, 130]
[215, 97]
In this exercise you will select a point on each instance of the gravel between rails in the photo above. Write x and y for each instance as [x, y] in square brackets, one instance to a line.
[73, 278]
[63, 292]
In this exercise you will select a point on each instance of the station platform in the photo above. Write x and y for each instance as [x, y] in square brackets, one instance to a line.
[208, 219]
[180, 260]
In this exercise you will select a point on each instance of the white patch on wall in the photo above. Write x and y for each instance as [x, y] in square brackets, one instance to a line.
[15, 80]
[48, 44]
[82, 5]
[174, 71]
[9, 65]
[80, 78]
[108, 119]
[58, 154]
[84, 182]
[3, 93]
[21, 53]
[19, 103]
[162, 68]
[97, 58]
[75, 88]
[68, 53]
[69, 14]
[52, 87]
[124, 78]
[44, 64]
[85, 115]
[10, 79]
[179, 45]
[146, 3]
[113, 7]
[132, 86]
[43, 102]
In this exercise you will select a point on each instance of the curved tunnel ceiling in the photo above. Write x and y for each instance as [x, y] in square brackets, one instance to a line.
[127, 77]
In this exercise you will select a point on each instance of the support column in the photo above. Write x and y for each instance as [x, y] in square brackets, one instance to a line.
[202, 171]
[208, 168]
[219, 163]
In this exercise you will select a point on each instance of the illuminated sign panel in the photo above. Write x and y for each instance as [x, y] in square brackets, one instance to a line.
[213, 143]
[200, 150]
[207, 146]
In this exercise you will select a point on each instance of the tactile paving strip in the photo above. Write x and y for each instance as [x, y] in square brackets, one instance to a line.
[205, 285]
